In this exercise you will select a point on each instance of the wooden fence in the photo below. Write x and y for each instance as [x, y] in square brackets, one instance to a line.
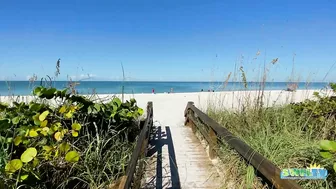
[134, 171]
[212, 132]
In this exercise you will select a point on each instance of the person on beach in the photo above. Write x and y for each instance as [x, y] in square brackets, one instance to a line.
[153, 90]
[201, 90]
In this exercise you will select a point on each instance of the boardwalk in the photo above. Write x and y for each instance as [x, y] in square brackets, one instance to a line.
[176, 157]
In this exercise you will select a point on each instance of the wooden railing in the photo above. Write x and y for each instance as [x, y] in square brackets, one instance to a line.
[212, 132]
[134, 171]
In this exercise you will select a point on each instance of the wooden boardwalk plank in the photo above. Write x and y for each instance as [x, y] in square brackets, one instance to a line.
[177, 159]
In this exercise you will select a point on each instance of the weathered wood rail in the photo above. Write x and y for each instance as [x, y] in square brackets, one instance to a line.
[135, 168]
[212, 132]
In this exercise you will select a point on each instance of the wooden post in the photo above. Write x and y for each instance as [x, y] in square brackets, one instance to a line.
[186, 111]
[212, 143]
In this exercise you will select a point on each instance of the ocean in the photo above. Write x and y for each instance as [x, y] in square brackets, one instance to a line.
[115, 87]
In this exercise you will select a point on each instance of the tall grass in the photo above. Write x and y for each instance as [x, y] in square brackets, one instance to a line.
[275, 131]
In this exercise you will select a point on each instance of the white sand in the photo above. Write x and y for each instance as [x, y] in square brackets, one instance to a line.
[168, 106]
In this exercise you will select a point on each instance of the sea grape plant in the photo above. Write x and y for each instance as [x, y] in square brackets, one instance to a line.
[38, 136]
[321, 109]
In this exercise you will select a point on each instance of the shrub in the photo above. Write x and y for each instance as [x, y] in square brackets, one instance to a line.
[44, 145]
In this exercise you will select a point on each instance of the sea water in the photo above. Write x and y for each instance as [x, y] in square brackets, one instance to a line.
[129, 87]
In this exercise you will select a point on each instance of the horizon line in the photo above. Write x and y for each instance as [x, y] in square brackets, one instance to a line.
[173, 81]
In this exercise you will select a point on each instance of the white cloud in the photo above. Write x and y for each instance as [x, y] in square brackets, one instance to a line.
[83, 77]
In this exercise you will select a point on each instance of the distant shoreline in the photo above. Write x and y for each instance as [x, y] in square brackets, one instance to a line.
[86, 80]
[137, 87]
[187, 93]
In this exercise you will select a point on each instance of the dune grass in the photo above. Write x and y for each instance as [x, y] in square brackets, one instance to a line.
[279, 133]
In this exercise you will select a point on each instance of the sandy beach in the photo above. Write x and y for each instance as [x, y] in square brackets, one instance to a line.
[175, 103]
[225, 99]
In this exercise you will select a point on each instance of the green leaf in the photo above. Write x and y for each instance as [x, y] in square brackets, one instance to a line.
[62, 110]
[37, 91]
[64, 147]
[45, 131]
[69, 114]
[47, 148]
[116, 101]
[334, 167]
[34, 107]
[140, 111]
[74, 133]
[129, 114]
[36, 162]
[58, 136]
[13, 166]
[97, 106]
[24, 177]
[36, 119]
[28, 155]
[4, 124]
[49, 94]
[9, 140]
[326, 155]
[43, 116]
[17, 140]
[33, 133]
[44, 123]
[89, 110]
[133, 101]
[16, 120]
[328, 145]
[76, 126]
[72, 156]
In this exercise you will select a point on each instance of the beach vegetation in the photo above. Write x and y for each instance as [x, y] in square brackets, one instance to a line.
[64, 140]
[291, 135]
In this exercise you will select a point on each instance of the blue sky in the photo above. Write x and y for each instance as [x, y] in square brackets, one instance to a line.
[167, 40]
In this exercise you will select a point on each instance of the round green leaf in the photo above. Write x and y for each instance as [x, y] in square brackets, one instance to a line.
[16, 120]
[43, 115]
[28, 155]
[13, 166]
[72, 156]
[76, 126]
[37, 91]
[74, 133]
